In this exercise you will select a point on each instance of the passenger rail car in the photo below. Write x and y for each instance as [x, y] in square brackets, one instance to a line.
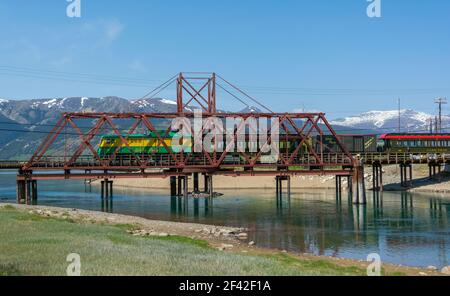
[415, 143]
[353, 143]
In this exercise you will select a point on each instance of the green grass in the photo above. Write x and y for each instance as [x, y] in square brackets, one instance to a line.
[34, 245]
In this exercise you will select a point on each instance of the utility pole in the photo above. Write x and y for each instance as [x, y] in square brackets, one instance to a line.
[440, 102]
[436, 124]
[399, 116]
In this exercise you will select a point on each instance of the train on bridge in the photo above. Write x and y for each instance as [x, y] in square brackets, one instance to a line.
[387, 143]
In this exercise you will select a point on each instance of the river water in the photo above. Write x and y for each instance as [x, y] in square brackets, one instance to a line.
[403, 228]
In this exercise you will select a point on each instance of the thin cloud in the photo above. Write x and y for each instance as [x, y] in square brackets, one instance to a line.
[137, 65]
[107, 31]
[112, 29]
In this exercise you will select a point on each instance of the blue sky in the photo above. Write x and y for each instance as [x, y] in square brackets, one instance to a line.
[316, 54]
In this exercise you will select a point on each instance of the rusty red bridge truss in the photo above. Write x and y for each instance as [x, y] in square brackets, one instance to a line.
[70, 150]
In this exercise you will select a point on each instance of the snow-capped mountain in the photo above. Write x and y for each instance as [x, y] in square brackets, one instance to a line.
[23, 123]
[387, 121]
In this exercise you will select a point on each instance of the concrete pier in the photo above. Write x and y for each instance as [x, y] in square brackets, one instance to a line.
[406, 175]
[279, 185]
[358, 184]
[210, 186]
[173, 186]
[206, 182]
[435, 170]
[196, 183]
[27, 191]
[377, 174]
[106, 189]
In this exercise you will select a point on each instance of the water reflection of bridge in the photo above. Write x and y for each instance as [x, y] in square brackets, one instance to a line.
[345, 223]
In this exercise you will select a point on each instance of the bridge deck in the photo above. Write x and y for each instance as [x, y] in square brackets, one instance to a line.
[305, 162]
[10, 165]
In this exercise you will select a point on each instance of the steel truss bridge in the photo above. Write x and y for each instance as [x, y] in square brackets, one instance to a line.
[68, 151]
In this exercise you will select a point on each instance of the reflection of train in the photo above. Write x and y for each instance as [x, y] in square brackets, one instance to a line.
[394, 143]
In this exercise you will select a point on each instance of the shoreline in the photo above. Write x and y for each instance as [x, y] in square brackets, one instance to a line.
[222, 238]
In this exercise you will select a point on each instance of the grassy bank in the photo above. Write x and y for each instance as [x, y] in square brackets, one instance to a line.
[36, 245]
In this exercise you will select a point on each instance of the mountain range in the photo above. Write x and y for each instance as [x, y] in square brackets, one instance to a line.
[24, 123]
[388, 121]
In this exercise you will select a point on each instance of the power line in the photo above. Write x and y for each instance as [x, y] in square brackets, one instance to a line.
[108, 128]
[140, 82]
[159, 88]
[243, 93]
[75, 74]
[231, 94]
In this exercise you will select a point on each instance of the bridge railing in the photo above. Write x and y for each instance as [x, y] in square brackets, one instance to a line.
[165, 161]
[11, 164]
[195, 160]
[395, 158]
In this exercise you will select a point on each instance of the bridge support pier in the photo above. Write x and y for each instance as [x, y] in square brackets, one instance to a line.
[173, 186]
[180, 189]
[349, 184]
[27, 191]
[206, 182]
[106, 189]
[434, 170]
[279, 185]
[377, 173]
[185, 187]
[180, 185]
[211, 186]
[338, 187]
[406, 175]
[34, 190]
[21, 192]
[195, 178]
[358, 184]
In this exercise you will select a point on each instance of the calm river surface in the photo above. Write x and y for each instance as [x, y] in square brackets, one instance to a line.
[404, 228]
